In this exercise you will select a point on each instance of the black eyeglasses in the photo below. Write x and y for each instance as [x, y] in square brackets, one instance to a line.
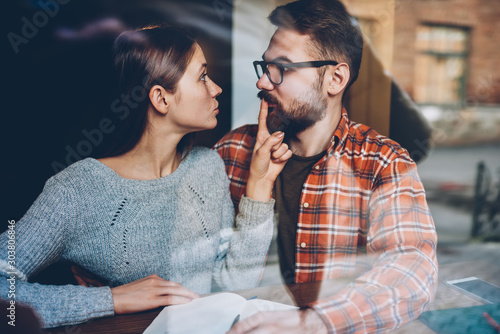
[274, 70]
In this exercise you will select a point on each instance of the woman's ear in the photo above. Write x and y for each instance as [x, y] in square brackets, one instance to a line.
[337, 78]
[159, 99]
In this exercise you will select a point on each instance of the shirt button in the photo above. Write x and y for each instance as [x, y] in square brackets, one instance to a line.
[303, 244]
[305, 205]
[316, 167]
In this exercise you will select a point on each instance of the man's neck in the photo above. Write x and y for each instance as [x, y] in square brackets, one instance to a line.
[316, 138]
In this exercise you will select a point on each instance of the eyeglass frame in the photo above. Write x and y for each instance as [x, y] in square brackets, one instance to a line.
[283, 66]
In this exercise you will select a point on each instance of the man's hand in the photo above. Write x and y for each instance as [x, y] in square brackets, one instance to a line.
[290, 322]
[269, 157]
[149, 293]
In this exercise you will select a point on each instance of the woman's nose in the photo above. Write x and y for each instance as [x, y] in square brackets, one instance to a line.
[216, 90]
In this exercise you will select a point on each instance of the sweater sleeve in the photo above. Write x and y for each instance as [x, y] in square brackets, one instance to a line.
[244, 242]
[33, 243]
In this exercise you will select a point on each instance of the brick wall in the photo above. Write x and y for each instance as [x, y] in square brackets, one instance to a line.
[483, 19]
[484, 74]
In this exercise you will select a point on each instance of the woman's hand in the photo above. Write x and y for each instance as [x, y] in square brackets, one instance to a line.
[269, 157]
[149, 293]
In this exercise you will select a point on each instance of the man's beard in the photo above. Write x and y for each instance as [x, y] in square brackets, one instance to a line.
[302, 113]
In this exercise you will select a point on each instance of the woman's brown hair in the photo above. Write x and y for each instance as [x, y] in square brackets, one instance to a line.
[153, 55]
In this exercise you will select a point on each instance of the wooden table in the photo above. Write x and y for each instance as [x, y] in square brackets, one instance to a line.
[446, 297]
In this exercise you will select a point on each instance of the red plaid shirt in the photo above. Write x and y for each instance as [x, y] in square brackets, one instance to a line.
[363, 202]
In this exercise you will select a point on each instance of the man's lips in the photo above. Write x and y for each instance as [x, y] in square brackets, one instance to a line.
[271, 101]
[271, 107]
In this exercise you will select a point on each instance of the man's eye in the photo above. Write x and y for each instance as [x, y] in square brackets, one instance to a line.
[204, 77]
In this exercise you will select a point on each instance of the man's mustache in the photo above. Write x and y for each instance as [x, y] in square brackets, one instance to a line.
[276, 121]
[267, 97]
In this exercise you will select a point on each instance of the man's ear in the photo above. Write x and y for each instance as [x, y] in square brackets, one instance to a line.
[159, 99]
[337, 78]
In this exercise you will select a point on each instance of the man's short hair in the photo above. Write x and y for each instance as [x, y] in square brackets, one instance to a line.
[333, 34]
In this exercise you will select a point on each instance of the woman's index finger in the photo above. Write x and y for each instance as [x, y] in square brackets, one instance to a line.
[263, 118]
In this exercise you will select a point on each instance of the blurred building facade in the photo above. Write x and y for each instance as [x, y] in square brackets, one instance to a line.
[441, 52]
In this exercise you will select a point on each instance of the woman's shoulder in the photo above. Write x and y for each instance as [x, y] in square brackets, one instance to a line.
[69, 184]
[80, 169]
[79, 175]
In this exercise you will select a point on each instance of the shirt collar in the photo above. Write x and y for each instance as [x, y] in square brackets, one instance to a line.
[340, 134]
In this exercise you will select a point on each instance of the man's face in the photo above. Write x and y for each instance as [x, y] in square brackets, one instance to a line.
[300, 100]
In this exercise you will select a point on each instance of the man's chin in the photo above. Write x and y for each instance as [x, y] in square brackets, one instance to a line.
[276, 122]
[291, 127]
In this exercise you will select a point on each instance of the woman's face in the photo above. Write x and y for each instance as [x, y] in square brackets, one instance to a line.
[194, 107]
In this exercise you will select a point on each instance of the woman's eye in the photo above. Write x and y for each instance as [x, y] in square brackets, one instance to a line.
[204, 77]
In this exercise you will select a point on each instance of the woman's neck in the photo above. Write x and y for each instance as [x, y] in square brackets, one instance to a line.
[153, 157]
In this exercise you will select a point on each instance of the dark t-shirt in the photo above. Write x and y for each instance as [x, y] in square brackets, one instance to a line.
[288, 188]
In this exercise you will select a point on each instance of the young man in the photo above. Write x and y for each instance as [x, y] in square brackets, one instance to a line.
[347, 195]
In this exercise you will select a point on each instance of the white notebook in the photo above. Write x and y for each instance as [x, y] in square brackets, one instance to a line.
[213, 314]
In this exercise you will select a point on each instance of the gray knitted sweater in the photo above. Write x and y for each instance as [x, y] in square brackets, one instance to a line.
[180, 227]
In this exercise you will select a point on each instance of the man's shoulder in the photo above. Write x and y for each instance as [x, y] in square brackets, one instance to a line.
[366, 140]
[244, 136]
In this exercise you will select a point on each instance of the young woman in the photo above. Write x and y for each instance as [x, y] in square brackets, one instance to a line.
[153, 218]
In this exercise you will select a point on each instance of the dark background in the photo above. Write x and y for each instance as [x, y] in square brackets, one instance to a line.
[60, 82]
